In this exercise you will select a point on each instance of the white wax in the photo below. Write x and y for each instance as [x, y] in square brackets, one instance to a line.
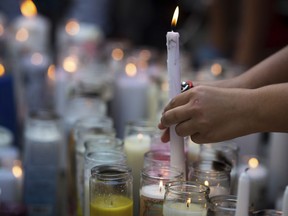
[38, 29]
[135, 149]
[176, 142]
[153, 192]
[130, 101]
[285, 202]
[181, 209]
[242, 206]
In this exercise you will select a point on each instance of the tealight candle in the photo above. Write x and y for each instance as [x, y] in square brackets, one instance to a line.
[152, 190]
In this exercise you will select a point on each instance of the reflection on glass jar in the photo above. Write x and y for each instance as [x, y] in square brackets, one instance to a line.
[267, 212]
[214, 174]
[104, 143]
[111, 191]
[153, 180]
[156, 158]
[185, 198]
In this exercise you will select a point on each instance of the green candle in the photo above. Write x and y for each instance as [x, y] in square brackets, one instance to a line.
[113, 205]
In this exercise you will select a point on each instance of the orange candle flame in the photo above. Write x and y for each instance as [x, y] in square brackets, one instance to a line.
[175, 17]
[28, 8]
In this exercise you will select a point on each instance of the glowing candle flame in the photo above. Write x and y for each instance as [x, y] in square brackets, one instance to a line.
[188, 202]
[253, 163]
[140, 136]
[175, 17]
[131, 69]
[216, 69]
[72, 27]
[70, 64]
[28, 8]
[160, 185]
[117, 54]
[206, 183]
[2, 70]
[22, 35]
[36, 59]
[51, 72]
[17, 169]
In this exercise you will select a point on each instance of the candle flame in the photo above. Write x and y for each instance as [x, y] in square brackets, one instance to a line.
[1, 30]
[131, 69]
[175, 17]
[36, 59]
[253, 163]
[17, 169]
[206, 183]
[117, 54]
[51, 72]
[188, 202]
[2, 70]
[216, 69]
[22, 35]
[140, 136]
[70, 64]
[160, 185]
[72, 27]
[28, 8]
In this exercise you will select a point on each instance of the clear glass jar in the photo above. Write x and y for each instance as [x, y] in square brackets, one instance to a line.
[214, 174]
[185, 198]
[43, 137]
[104, 143]
[152, 191]
[157, 158]
[85, 129]
[95, 158]
[267, 212]
[224, 205]
[111, 189]
[137, 141]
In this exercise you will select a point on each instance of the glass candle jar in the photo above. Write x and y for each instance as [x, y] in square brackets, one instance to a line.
[153, 180]
[104, 143]
[111, 191]
[137, 141]
[267, 212]
[156, 158]
[214, 174]
[94, 158]
[185, 198]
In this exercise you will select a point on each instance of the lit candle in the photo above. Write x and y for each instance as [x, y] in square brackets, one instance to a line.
[285, 202]
[216, 190]
[242, 206]
[113, 205]
[183, 209]
[176, 142]
[30, 31]
[258, 175]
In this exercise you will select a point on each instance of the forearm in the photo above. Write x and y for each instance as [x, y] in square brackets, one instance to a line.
[271, 106]
[270, 71]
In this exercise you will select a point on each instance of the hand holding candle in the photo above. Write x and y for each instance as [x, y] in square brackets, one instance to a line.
[176, 142]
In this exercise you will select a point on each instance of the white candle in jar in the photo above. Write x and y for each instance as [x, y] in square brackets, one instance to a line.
[176, 142]
[183, 209]
[242, 206]
[30, 31]
[130, 101]
[155, 192]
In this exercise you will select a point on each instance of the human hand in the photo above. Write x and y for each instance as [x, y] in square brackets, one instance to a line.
[209, 114]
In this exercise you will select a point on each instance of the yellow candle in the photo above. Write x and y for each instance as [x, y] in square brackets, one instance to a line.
[113, 205]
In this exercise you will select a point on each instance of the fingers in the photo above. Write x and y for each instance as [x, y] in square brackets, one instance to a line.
[165, 136]
[179, 100]
[174, 116]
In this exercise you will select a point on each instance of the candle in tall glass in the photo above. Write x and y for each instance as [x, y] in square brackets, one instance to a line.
[176, 142]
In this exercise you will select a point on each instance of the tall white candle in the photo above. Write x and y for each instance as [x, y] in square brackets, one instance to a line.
[243, 195]
[176, 142]
[285, 202]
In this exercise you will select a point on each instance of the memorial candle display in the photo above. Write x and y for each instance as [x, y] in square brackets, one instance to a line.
[176, 142]
[152, 191]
